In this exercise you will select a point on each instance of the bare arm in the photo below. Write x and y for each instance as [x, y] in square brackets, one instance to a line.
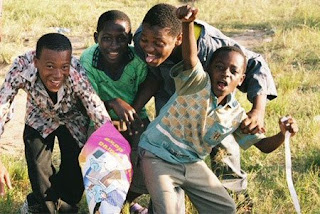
[270, 144]
[187, 14]
[254, 123]
[147, 89]
[9, 89]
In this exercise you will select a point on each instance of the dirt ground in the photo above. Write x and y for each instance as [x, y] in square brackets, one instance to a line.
[11, 142]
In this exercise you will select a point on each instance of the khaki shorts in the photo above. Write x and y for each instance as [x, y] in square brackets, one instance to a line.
[163, 179]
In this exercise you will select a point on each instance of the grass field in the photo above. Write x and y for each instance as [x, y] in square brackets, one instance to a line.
[293, 54]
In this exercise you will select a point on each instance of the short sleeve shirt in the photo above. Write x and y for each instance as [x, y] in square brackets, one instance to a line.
[125, 87]
[192, 122]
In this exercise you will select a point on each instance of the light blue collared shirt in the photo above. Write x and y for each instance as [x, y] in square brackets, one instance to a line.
[192, 122]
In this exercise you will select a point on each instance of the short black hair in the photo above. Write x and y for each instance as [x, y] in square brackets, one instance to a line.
[227, 49]
[53, 41]
[164, 16]
[112, 15]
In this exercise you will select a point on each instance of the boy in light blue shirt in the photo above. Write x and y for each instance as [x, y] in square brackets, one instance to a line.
[201, 113]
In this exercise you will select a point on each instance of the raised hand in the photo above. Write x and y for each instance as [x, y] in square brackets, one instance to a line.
[288, 124]
[187, 13]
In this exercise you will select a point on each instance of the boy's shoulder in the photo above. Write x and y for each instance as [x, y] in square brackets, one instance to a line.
[208, 30]
[75, 62]
[89, 52]
[136, 59]
[25, 61]
[28, 57]
[89, 57]
[24, 67]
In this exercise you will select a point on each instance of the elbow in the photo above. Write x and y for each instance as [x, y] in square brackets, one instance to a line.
[265, 150]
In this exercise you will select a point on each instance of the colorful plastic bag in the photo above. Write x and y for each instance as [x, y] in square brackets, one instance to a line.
[106, 169]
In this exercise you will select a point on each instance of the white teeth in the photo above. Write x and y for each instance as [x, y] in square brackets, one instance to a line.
[113, 55]
[55, 82]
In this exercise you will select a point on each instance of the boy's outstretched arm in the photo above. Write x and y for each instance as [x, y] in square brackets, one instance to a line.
[270, 144]
[147, 89]
[254, 123]
[187, 15]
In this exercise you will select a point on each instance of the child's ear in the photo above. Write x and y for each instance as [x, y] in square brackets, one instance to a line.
[130, 38]
[95, 36]
[179, 39]
[35, 61]
[242, 79]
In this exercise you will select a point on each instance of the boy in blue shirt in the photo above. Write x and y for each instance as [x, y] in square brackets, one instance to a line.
[158, 42]
[202, 111]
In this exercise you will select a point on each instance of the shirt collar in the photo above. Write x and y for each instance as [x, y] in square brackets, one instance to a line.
[97, 59]
[231, 101]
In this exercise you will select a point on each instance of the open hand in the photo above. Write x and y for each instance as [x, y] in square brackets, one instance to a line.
[126, 113]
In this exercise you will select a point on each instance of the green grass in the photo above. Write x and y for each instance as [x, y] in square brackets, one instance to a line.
[293, 55]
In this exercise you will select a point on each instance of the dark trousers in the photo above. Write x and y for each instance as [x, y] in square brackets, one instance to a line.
[48, 186]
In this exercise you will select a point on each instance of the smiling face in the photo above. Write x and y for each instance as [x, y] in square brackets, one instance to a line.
[113, 41]
[53, 67]
[226, 72]
[157, 43]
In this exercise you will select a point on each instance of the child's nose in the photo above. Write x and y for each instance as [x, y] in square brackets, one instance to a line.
[114, 43]
[149, 48]
[226, 72]
[58, 73]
